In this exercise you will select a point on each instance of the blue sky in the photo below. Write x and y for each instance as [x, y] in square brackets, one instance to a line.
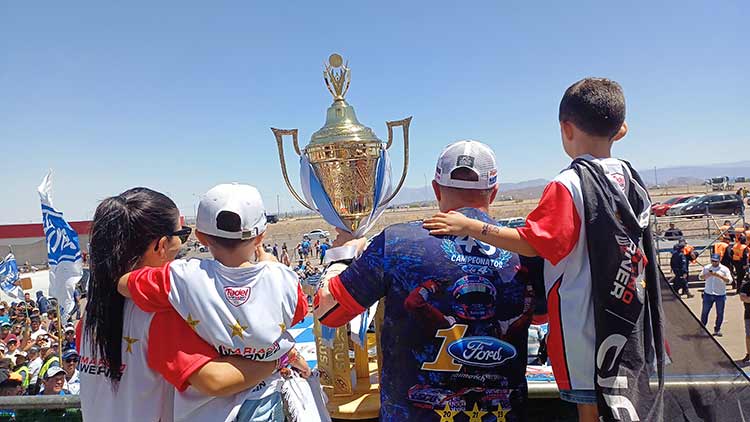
[180, 96]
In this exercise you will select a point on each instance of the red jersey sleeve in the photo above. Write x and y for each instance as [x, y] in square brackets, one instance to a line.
[149, 288]
[553, 227]
[176, 351]
[300, 312]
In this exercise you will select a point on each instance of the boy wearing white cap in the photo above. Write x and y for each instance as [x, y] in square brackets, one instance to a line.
[239, 307]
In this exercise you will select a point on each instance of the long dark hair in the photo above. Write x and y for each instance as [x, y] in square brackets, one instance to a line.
[124, 226]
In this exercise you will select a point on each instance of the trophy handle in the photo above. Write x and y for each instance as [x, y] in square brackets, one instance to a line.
[405, 126]
[279, 134]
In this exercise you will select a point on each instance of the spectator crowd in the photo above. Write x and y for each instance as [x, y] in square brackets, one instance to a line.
[37, 351]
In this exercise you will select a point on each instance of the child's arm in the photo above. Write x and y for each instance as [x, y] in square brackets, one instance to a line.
[148, 287]
[457, 224]
[552, 229]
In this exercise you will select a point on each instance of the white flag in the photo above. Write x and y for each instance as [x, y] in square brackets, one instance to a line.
[63, 250]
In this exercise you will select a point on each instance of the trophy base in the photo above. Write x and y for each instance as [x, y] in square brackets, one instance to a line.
[363, 403]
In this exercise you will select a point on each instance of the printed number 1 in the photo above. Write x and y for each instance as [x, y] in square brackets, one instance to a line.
[444, 361]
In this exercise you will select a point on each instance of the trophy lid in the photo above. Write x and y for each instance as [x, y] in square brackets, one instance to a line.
[341, 120]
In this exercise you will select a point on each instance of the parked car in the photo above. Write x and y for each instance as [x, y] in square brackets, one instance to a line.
[676, 209]
[512, 222]
[721, 183]
[660, 209]
[727, 203]
[272, 218]
[317, 234]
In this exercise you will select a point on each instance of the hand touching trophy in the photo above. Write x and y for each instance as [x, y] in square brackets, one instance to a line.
[345, 169]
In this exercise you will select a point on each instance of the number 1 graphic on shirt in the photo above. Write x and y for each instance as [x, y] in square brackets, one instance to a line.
[444, 361]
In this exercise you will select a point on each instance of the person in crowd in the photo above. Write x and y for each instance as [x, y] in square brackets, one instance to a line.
[434, 298]
[150, 358]
[285, 257]
[54, 382]
[672, 233]
[679, 264]
[739, 253]
[720, 248]
[51, 325]
[35, 363]
[716, 276]
[28, 301]
[592, 119]
[11, 384]
[5, 330]
[316, 248]
[69, 341]
[305, 247]
[22, 368]
[276, 250]
[231, 221]
[4, 317]
[42, 302]
[36, 327]
[70, 363]
[11, 342]
[727, 229]
[323, 248]
[744, 291]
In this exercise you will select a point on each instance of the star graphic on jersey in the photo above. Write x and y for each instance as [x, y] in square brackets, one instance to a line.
[283, 327]
[237, 329]
[192, 322]
[446, 415]
[500, 413]
[475, 415]
[130, 342]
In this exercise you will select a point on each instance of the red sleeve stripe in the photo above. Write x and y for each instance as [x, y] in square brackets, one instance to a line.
[556, 339]
[554, 226]
[300, 312]
[346, 308]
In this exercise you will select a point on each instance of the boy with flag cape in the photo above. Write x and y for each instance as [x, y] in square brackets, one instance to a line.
[617, 329]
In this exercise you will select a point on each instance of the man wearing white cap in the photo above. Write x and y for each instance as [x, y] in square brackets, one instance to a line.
[239, 307]
[457, 311]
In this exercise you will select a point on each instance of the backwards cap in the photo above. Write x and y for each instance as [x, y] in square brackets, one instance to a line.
[231, 211]
[471, 155]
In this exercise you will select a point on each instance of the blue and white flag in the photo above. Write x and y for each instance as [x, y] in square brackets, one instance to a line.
[8, 277]
[63, 250]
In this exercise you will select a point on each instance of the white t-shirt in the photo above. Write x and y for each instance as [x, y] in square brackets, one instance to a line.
[73, 385]
[150, 343]
[34, 367]
[37, 333]
[715, 285]
[242, 311]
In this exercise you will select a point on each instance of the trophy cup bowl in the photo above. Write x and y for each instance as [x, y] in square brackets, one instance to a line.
[345, 156]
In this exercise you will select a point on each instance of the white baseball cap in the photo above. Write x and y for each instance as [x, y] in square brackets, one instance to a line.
[231, 211]
[471, 155]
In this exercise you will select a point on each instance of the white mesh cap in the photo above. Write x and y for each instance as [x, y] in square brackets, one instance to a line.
[231, 211]
[471, 155]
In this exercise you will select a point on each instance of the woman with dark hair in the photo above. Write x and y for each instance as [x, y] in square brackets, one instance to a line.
[129, 357]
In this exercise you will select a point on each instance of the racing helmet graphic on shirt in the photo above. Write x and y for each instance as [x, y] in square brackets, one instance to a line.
[474, 298]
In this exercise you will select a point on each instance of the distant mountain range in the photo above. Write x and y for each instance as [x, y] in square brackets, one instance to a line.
[666, 176]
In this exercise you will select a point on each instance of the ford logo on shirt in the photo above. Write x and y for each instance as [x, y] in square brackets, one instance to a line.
[481, 351]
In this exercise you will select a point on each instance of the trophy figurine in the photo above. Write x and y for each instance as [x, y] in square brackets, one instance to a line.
[345, 172]
[345, 176]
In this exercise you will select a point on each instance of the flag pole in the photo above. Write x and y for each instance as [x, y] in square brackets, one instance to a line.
[60, 334]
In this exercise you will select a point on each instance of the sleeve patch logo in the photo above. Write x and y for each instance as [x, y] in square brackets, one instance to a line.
[237, 295]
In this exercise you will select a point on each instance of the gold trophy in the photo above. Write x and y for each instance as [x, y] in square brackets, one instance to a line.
[344, 153]
[345, 158]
